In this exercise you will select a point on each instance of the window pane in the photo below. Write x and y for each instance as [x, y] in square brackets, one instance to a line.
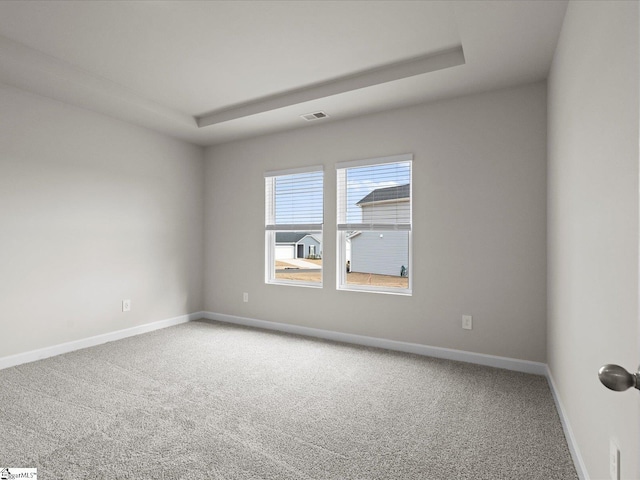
[378, 259]
[298, 198]
[298, 256]
[379, 194]
[294, 215]
[374, 225]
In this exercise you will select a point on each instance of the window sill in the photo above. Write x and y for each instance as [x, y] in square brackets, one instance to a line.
[293, 284]
[353, 288]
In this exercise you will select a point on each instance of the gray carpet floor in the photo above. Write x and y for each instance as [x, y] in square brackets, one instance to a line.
[206, 400]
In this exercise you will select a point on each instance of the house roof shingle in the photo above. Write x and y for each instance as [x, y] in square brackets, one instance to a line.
[387, 193]
[290, 237]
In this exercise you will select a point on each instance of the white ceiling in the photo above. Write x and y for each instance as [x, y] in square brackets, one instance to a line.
[167, 64]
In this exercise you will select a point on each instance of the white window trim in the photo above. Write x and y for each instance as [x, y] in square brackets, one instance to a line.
[272, 229]
[341, 270]
[369, 162]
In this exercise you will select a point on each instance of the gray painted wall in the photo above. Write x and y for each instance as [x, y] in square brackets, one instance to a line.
[593, 226]
[92, 211]
[479, 206]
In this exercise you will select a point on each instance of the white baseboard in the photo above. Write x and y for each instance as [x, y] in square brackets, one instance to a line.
[525, 366]
[578, 462]
[33, 355]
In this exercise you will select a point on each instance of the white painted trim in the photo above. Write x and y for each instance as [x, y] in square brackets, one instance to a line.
[506, 363]
[387, 73]
[294, 227]
[367, 162]
[294, 171]
[33, 355]
[578, 462]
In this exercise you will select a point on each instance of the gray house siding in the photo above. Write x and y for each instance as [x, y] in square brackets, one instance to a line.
[307, 242]
[398, 211]
[371, 253]
[299, 241]
[386, 254]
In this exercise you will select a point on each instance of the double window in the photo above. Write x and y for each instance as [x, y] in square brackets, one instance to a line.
[373, 225]
[293, 226]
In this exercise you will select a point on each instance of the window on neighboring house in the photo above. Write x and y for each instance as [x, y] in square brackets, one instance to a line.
[374, 225]
[293, 226]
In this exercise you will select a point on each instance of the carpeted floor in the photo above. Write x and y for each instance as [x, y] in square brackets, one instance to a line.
[209, 400]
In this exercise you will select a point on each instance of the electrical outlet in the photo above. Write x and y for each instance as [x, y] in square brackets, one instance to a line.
[467, 322]
[245, 297]
[614, 460]
[126, 305]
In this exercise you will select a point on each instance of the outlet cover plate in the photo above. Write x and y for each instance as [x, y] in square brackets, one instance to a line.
[467, 322]
[126, 305]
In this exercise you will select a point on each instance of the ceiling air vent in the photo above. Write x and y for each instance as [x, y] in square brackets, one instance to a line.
[309, 117]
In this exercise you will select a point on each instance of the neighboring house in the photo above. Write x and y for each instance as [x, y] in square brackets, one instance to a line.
[386, 202]
[366, 247]
[297, 245]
